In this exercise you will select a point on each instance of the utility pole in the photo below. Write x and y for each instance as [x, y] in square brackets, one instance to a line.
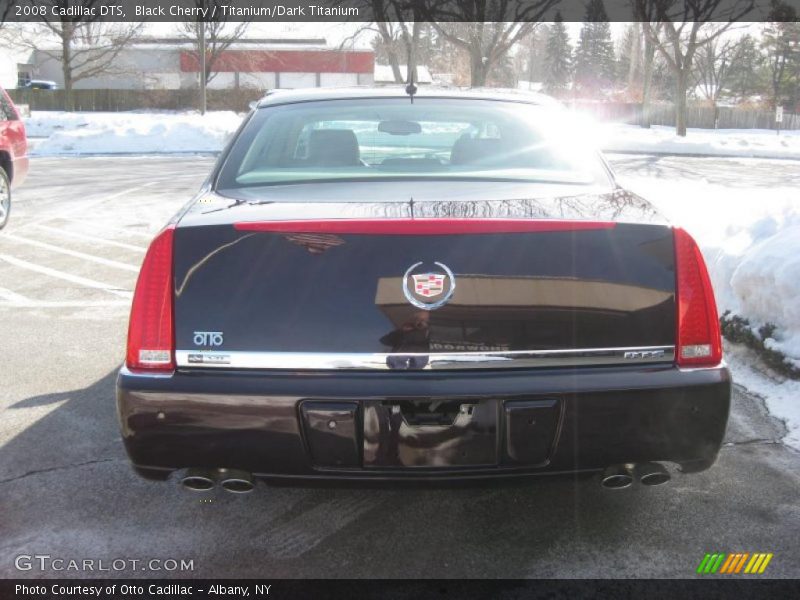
[202, 67]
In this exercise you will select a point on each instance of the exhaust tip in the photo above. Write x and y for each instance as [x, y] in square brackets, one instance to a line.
[617, 477]
[197, 480]
[652, 474]
[236, 482]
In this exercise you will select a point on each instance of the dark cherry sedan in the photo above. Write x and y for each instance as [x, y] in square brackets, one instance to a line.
[372, 286]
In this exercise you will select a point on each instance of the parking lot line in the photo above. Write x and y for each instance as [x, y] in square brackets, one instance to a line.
[27, 303]
[103, 227]
[91, 238]
[24, 264]
[12, 297]
[85, 206]
[89, 257]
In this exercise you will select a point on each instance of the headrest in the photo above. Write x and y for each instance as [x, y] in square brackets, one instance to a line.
[470, 150]
[333, 148]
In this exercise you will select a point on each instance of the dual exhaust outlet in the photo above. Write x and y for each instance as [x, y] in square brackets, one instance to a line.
[230, 480]
[617, 477]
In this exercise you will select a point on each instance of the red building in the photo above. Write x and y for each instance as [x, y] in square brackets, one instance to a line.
[271, 65]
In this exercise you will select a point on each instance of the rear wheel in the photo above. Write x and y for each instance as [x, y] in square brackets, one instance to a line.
[5, 198]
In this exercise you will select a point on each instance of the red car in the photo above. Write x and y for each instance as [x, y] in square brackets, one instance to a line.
[13, 153]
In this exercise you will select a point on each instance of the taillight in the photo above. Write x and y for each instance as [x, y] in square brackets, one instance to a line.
[698, 339]
[151, 344]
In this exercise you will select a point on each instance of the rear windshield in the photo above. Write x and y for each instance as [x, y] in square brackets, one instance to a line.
[357, 140]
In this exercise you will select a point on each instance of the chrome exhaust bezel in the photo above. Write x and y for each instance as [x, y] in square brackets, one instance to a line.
[236, 481]
[621, 473]
[200, 476]
[652, 474]
[247, 485]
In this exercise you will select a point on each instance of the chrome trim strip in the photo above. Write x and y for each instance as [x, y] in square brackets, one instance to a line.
[220, 359]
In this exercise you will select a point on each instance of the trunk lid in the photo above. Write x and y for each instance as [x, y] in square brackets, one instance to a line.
[597, 274]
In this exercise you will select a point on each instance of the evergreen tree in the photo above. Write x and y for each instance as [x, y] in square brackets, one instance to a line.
[747, 72]
[780, 41]
[531, 54]
[558, 58]
[594, 58]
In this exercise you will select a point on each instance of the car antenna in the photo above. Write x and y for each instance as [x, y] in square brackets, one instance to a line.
[411, 89]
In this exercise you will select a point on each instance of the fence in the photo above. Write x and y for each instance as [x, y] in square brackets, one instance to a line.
[123, 100]
[702, 117]
[238, 100]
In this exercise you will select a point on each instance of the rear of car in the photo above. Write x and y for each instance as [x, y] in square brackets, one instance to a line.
[370, 288]
[13, 153]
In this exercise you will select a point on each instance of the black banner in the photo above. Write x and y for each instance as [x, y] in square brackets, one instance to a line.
[391, 10]
[76, 589]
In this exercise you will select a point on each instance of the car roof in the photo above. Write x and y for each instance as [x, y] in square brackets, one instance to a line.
[276, 97]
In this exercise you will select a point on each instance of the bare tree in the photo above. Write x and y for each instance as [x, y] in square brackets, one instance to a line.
[679, 28]
[210, 40]
[398, 25]
[388, 36]
[713, 69]
[84, 48]
[631, 50]
[648, 61]
[494, 27]
[400, 40]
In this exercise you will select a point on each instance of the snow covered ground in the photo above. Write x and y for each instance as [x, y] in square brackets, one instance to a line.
[748, 143]
[129, 132]
[782, 397]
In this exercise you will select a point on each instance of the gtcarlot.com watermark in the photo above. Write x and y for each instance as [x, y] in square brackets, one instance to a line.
[48, 563]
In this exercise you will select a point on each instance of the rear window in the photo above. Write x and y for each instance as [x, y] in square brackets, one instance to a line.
[7, 112]
[355, 140]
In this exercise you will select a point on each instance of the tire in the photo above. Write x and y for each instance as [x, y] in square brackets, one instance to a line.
[5, 198]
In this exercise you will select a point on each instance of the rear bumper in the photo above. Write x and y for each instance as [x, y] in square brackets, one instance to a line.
[345, 425]
[20, 171]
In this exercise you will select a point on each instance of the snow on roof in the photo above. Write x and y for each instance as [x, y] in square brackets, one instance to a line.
[189, 45]
[244, 40]
[287, 44]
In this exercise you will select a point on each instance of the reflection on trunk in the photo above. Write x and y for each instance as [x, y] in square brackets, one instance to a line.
[521, 313]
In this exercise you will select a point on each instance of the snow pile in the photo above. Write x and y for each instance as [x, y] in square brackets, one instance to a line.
[751, 242]
[749, 143]
[129, 132]
[766, 285]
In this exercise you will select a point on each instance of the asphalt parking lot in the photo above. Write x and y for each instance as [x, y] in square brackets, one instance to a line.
[68, 263]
